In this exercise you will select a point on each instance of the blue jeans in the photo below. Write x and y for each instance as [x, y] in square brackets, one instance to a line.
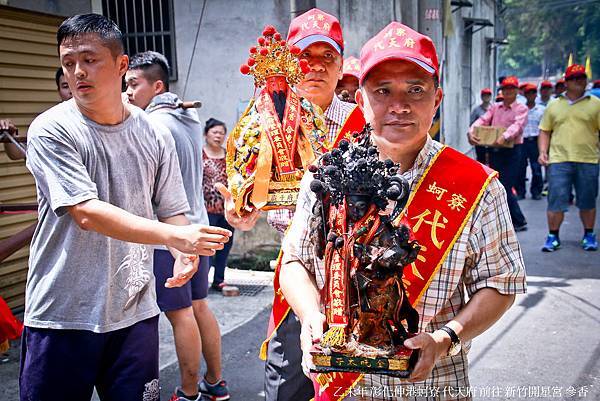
[219, 260]
[563, 176]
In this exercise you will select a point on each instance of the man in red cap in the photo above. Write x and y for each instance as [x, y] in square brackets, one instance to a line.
[486, 97]
[545, 93]
[529, 149]
[569, 146]
[318, 35]
[511, 115]
[348, 85]
[399, 96]
[560, 87]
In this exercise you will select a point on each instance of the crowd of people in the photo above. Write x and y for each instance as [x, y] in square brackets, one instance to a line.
[558, 133]
[134, 209]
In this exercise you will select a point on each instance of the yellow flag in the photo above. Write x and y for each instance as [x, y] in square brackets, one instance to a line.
[588, 67]
[570, 63]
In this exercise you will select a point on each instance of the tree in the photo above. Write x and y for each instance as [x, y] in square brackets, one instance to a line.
[542, 34]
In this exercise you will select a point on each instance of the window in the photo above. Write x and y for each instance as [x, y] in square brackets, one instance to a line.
[146, 25]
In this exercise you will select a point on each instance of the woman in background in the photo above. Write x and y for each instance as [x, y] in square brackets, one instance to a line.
[213, 157]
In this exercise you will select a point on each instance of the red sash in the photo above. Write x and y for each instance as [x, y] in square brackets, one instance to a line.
[355, 122]
[437, 210]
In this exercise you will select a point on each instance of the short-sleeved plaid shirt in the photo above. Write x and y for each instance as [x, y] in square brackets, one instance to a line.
[335, 116]
[487, 254]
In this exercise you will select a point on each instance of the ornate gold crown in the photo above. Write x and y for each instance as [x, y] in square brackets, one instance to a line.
[272, 57]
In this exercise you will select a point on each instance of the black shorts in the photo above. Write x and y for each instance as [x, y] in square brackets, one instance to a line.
[169, 299]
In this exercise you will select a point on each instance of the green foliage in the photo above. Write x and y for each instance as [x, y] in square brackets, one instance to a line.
[258, 259]
[542, 33]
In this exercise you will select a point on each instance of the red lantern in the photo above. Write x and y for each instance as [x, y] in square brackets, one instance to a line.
[244, 69]
[250, 62]
[264, 51]
[295, 50]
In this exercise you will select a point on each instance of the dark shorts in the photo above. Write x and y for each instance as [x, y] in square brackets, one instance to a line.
[59, 365]
[169, 299]
[562, 177]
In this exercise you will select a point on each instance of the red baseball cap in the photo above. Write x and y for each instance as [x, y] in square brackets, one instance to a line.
[574, 70]
[352, 67]
[529, 87]
[560, 81]
[399, 42]
[316, 26]
[510, 81]
[546, 84]
[486, 91]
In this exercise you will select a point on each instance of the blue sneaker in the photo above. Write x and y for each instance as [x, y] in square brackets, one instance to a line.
[180, 396]
[589, 242]
[552, 243]
[214, 392]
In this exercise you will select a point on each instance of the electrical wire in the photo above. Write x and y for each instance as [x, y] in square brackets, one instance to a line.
[187, 76]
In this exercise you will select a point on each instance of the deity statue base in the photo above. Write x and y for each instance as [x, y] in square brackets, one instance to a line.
[399, 364]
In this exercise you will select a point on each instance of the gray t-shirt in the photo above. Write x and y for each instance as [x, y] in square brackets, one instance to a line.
[186, 129]
[81, 279]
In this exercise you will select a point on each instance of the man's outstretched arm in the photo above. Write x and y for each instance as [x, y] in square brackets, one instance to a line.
[114, 222]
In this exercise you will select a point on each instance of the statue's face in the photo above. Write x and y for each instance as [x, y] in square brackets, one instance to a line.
[358, 205]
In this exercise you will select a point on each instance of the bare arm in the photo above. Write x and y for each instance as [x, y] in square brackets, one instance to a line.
[12, 151]
[543, 146]
[480, 313]
[109, 220]
[300, 289]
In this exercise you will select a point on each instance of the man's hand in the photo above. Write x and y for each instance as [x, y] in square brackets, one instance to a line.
[543, 159]
[311, 332]
[501, 140]
[243, 223]
[431, 346]
[473, 138]
[183, 270]
[7, 125]
[198, 239]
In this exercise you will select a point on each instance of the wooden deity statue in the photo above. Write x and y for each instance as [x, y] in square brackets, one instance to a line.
[279, 134]
[358, 197]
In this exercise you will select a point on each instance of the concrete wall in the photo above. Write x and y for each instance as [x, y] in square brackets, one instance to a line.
[227, 31]
[460, 82]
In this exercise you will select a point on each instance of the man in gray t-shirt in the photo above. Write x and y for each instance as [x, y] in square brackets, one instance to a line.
[102, 171]
[147, 87]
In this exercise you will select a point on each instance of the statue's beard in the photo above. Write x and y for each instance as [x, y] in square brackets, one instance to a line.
[279, 99]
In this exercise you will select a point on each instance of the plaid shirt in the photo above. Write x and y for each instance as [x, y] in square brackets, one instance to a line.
[335, 116]
[487, 254]
[534, 116]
